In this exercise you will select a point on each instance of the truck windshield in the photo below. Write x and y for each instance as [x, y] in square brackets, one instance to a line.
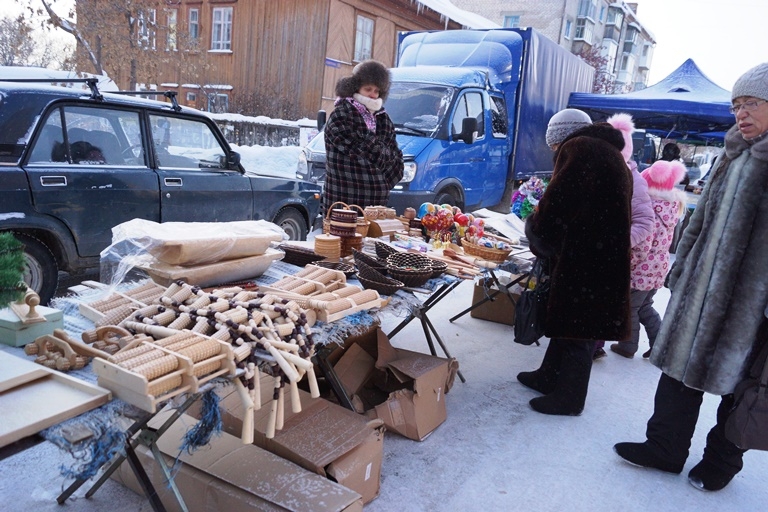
[418, 107]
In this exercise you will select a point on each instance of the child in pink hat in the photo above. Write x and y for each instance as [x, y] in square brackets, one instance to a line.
[649, 271]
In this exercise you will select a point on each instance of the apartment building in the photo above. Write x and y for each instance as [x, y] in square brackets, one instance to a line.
[610, 29]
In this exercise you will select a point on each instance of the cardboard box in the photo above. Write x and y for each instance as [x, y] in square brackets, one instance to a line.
[501, 309]
[324, 438]
[405, 389]
[228, 475]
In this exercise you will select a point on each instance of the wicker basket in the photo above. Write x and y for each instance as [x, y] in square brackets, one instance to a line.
[299, 256]
[361, 224]
[485, 253]
[410, 268]
[376, 264]
[438, 267]
[348, 269]
[384, 250]
[372, 280]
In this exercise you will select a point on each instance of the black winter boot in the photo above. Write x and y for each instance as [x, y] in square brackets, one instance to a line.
[543, 380]
[570, 393]
[706, 476]
[641, 454]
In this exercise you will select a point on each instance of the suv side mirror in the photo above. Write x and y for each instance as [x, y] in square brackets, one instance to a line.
[233, 160]
[468, 130]
[321, 118]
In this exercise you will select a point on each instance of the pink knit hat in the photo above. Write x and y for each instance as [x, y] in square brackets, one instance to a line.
[624, 123]
[663, 175]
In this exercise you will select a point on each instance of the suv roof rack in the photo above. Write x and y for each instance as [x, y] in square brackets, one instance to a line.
[171, 95]
[92, 83]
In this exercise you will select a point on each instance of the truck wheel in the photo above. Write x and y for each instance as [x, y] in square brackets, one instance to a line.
[40, 270]
[447, 198]
[292, 223]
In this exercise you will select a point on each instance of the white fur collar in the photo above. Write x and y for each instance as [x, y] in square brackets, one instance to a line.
[374, 105]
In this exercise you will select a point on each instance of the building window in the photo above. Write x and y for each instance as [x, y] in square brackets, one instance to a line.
[615, 17]
[624, 63]
[587, 8]
[584, 30]
[218, 102]
[194, 24]
[612, 32]
[221, 29]
[148, 29]
[568, 29]
[602, 13]
[363, 38]
[512, 21]
[171, 36]
[191, 97]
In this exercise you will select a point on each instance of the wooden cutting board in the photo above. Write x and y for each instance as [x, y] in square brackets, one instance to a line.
[33, 397]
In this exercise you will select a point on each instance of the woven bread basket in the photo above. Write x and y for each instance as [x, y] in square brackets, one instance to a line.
[485, 253]
[299, 256]
[438, 267]
[376, 264]
[410, 268]
[373, 280]
[383, 250]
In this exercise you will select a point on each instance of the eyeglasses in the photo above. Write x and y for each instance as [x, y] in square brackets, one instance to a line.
[749, 106]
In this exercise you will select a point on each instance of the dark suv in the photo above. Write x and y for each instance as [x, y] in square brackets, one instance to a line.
[75, 162]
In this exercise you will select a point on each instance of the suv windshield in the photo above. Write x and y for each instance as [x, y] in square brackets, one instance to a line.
[418, 107]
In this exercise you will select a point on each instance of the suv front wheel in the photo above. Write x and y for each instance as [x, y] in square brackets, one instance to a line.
[41, 273]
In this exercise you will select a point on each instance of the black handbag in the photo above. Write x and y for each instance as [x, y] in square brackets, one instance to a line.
[747, 423]
[531, 307]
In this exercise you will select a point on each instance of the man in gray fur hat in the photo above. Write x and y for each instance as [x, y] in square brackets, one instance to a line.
[363, 161]
[715, 332]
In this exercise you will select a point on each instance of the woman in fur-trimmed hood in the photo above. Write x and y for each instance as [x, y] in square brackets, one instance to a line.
[363, 161]
[715, 323]
[582, 228]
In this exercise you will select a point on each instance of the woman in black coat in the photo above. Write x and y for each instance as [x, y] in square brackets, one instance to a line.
[582, 228]
[363, 161]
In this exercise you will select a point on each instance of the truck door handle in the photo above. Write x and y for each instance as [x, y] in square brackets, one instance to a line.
[173, 182]
[53, 181]
[477, 159]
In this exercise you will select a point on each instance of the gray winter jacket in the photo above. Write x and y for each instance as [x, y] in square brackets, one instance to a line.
[719, 280]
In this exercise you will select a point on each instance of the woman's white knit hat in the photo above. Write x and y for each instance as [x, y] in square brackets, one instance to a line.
[564, 123]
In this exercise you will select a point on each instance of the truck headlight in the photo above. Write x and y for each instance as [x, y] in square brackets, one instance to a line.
[302, 168]
[409, 171]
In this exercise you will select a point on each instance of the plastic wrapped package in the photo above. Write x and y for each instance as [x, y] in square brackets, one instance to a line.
[146, 244]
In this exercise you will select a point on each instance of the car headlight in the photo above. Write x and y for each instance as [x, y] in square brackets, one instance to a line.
[409, 171]
[302, 168]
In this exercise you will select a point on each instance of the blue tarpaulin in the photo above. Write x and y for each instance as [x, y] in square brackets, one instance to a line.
[684, 104]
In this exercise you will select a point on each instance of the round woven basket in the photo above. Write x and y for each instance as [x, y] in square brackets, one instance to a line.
[410, 268]
[384, 250]
[327, 219]
[370, 279]
[438, 267]
[485, 253]
[376, 264]
[299, 256]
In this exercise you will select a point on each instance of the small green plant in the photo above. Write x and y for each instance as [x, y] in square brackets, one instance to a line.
[12, 288]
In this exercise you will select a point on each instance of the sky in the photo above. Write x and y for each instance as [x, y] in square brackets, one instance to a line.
[723, 37]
